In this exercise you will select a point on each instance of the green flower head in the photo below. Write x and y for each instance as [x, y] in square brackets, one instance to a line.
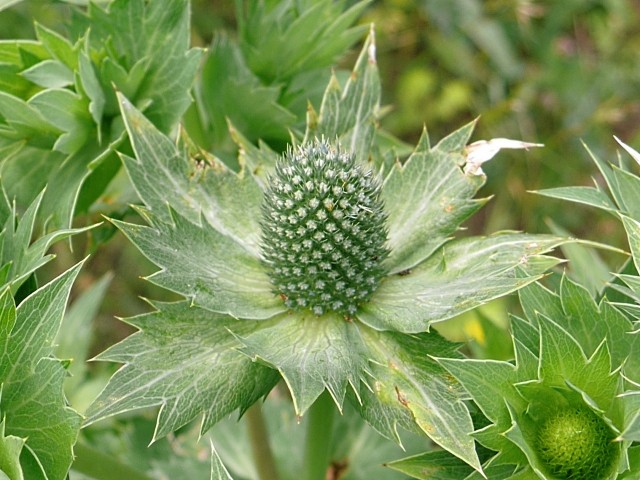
[576, 443]
[323, 230]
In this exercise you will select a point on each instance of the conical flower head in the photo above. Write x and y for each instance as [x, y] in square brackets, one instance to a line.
[323, 230]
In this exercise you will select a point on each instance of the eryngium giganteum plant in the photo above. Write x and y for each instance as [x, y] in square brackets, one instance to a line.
[318, 266]
[566, 408]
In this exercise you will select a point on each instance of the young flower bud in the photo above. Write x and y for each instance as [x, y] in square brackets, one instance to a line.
[575, 443]
[323, 230]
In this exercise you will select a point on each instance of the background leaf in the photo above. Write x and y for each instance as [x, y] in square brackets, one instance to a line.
[32, 401]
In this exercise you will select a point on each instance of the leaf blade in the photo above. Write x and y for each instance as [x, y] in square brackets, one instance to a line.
[182, 375]
[469, 272]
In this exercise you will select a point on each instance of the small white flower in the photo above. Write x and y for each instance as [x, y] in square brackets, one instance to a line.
[630, 151]
[482, 151]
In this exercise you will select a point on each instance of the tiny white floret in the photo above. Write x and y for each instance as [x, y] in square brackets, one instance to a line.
[482, 151]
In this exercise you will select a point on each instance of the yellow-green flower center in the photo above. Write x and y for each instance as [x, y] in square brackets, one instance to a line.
[576, 444]
[323, 230]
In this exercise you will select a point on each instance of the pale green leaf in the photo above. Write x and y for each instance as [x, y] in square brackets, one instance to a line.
[627, 192]
[30, 170]
[26, 121]
[490, 383]
[76, 333]
[562, 361]
[586, 266]
[69, 112]
[407, 380]
[633, 282]
[519, 437]
[58, 46]
[535, 299]
[427, 198]
[464, 274]
[49, 74]
[623, 186]
[634, 464]
[32, 401]
[632, 228]
[631, 431]
[15, 56]
[593, 197]
[229, 90]
[7, 3]
[10, 448]
[590, 324]
[349, 114]
[16, 249]
[312, 354]
[526, 346]
[456, 141]
[156, 34]
[164, 175]
[179, 360]
[282, 39]
[439, 465]
[436, 465]
[218, 471]
[200, 263]
[92, 89]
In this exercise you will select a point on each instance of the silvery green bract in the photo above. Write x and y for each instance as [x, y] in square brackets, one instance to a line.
[233, 337]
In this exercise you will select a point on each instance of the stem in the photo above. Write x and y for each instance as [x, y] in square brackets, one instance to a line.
[260, 447]
[98, 465]
[317, 449]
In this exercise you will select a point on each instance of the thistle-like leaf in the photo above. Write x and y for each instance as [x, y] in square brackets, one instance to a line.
[19, 256]
[184, 360]
[411, 391]
[32, 403]
[462, 275]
